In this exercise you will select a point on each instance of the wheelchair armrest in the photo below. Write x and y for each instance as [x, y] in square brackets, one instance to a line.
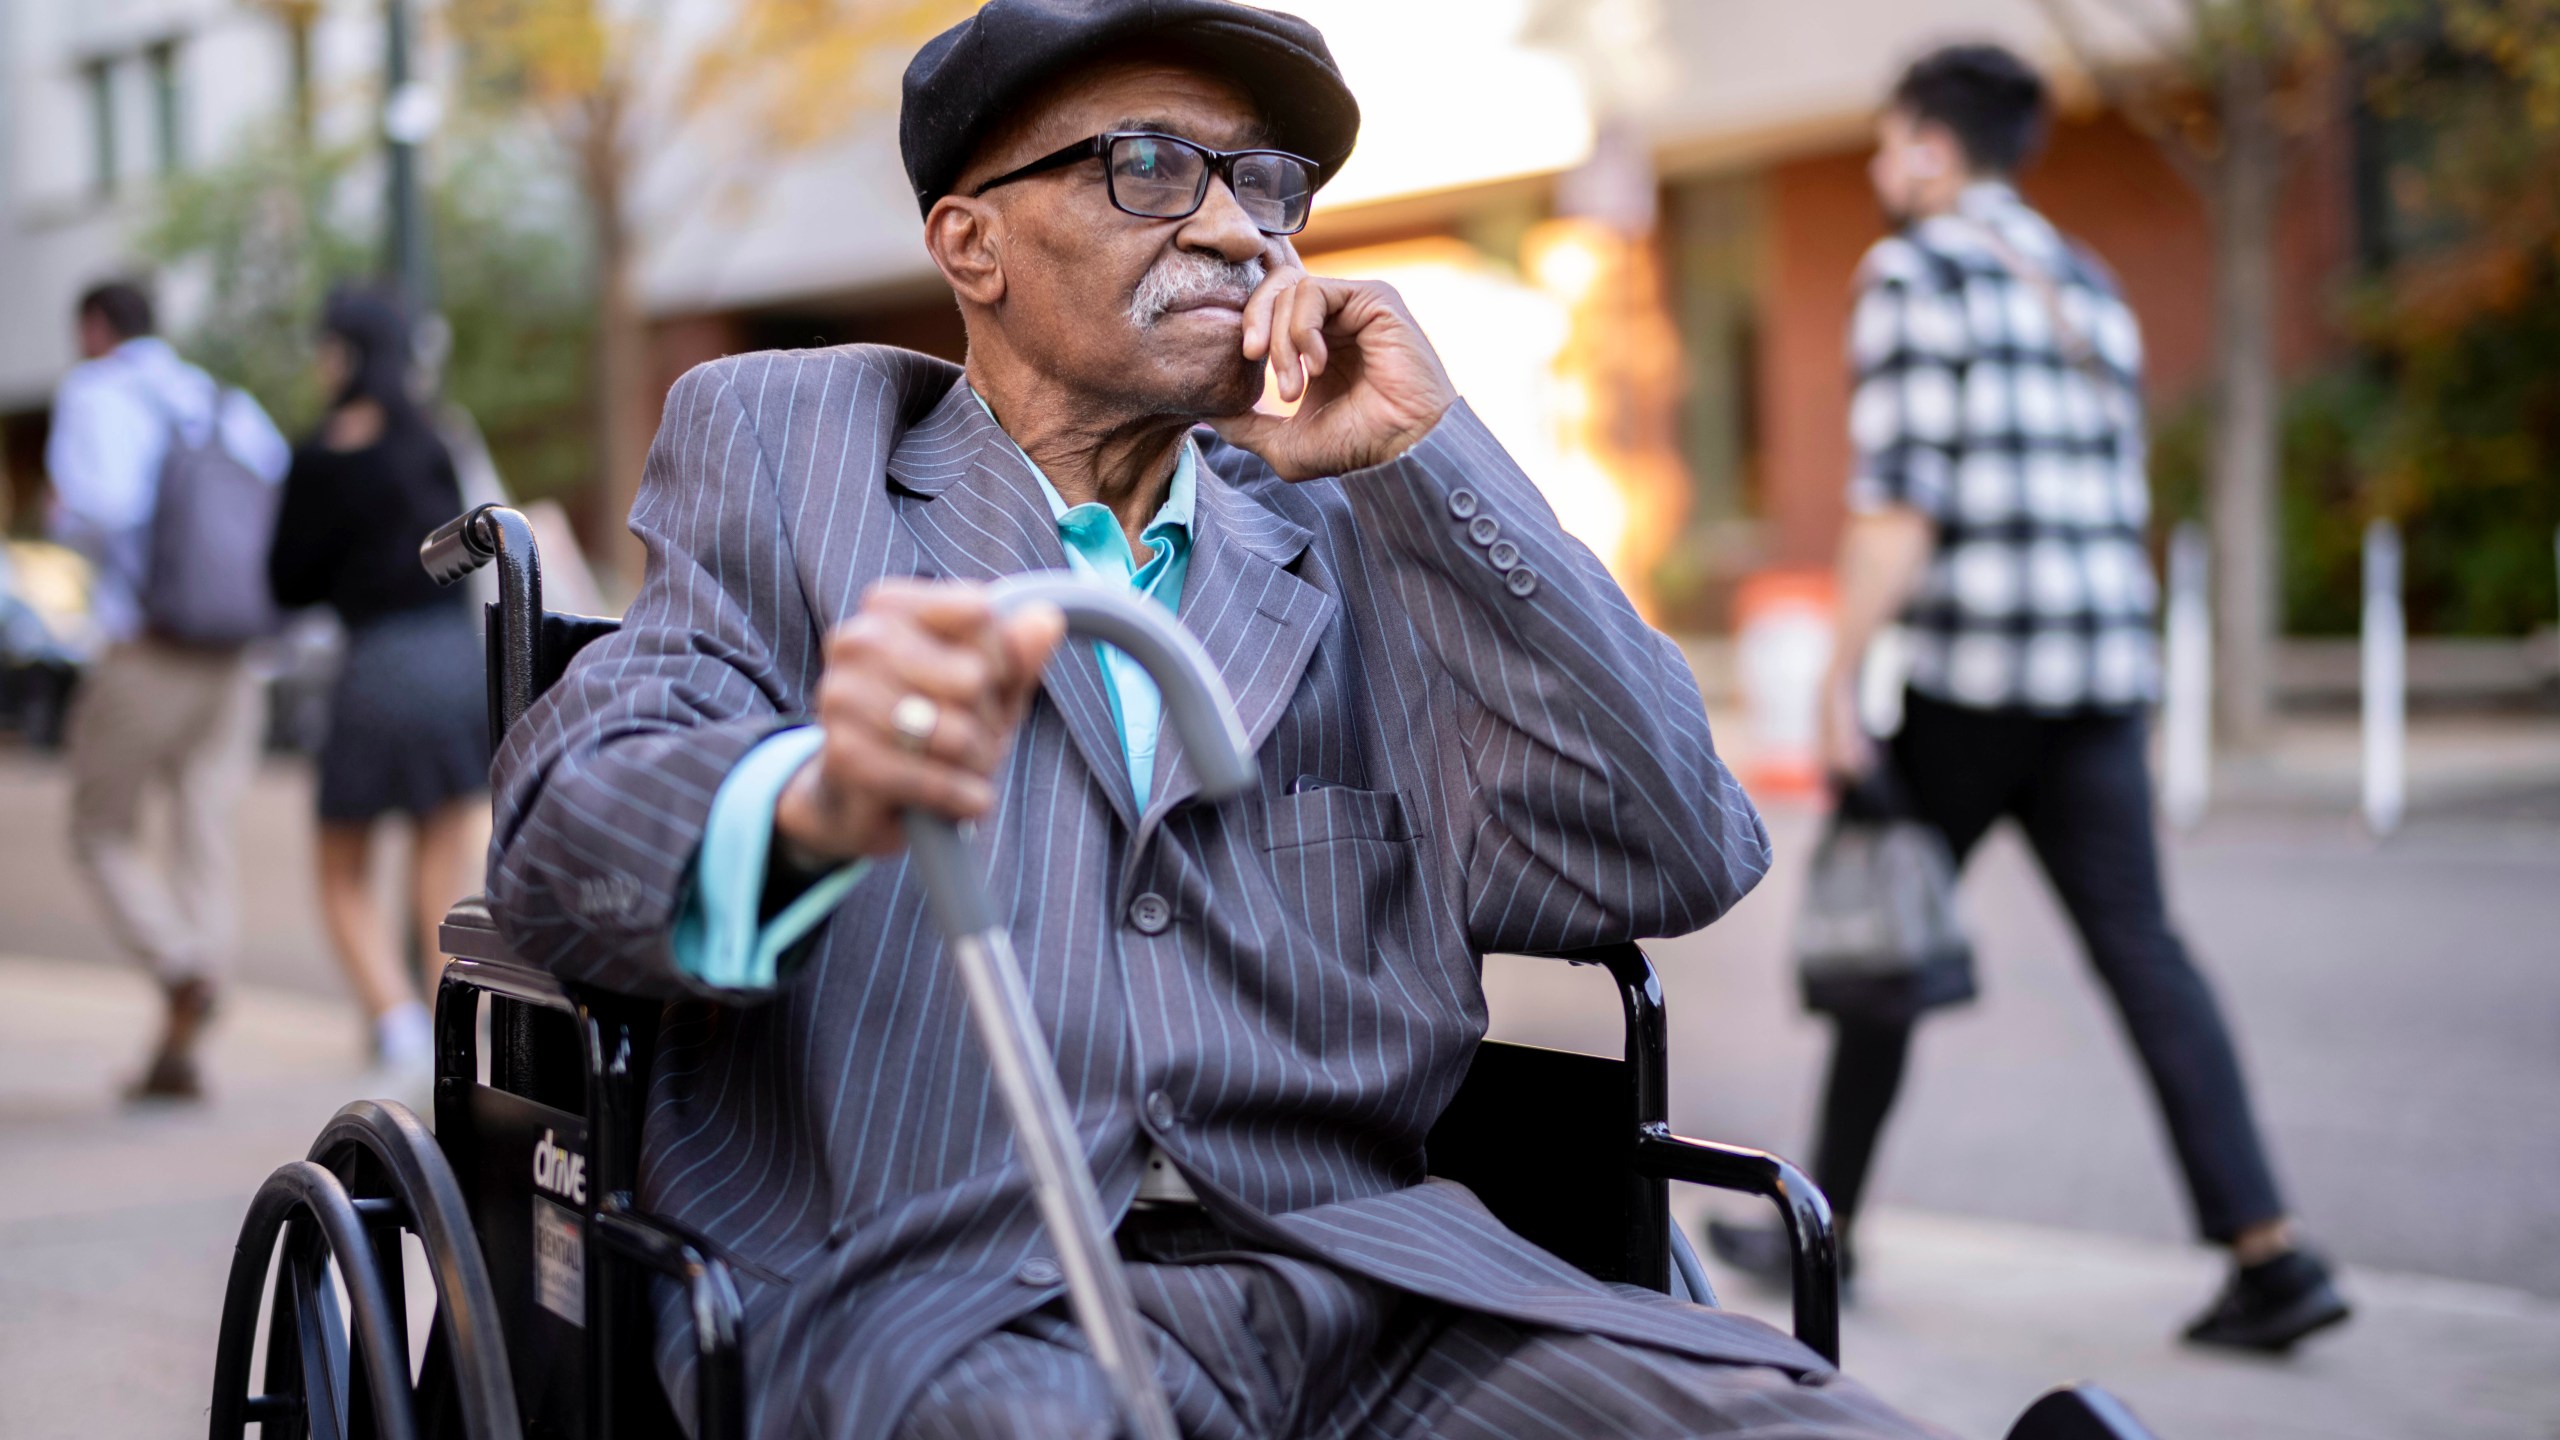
[483, 962]
[1666, 1156]
[711, 1302]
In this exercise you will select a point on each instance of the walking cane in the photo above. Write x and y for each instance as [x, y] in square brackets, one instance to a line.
[1197, 703]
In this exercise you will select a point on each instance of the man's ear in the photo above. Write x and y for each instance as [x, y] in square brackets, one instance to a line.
[964, 237]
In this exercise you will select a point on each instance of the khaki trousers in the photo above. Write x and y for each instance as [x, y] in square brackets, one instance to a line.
[183, 723]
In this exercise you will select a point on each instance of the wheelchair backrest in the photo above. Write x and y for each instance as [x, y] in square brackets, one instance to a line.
[538, 1084]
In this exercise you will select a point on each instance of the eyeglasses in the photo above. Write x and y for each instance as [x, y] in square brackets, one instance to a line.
[1165, 177]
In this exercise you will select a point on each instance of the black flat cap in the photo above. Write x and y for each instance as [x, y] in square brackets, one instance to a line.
[967, 79]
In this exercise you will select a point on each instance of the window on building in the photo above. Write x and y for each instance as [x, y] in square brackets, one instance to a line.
[168, 131]
[1712, 233]
[99, 78]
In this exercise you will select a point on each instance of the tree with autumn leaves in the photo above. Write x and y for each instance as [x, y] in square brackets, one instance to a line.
[2227, 89]
[617, 81]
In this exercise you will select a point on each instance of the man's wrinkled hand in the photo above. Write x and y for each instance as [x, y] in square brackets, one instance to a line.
[1366, 381]
[912, 638]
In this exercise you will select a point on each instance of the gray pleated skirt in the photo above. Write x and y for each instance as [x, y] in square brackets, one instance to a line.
[408, 718]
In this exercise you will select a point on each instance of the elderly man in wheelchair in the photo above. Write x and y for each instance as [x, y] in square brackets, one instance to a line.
[1156, 1101]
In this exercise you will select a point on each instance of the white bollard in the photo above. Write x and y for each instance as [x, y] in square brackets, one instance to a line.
[2186, 702]
[2386, 682]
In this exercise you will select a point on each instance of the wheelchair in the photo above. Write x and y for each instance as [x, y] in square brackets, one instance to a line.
[541, 1263]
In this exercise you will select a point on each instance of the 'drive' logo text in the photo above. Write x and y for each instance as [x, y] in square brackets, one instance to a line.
[561, 1171]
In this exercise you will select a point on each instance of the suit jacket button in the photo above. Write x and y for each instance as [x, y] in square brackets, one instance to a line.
[1160, 1111]
[1484, 530]
[1522, 582]
[1502, 555]
[1151, 913]
[1040, 1272]
[1462, 503]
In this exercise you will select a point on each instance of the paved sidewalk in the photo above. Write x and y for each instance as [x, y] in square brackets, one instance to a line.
[117, 1223]
[1963, 1321]
[116, 1228]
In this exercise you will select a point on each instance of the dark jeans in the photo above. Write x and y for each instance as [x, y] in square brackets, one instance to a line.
[2080, 787]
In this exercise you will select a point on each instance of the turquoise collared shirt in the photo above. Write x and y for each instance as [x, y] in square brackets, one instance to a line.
[1098, 549]
[718, 938]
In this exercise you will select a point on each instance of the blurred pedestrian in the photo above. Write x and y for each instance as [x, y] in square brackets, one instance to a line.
[171, 707]
[408, 721]
[1997, 508]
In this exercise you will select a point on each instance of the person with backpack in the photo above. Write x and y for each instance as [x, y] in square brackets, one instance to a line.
[166, 481]
[1997, 508]
[408, 718]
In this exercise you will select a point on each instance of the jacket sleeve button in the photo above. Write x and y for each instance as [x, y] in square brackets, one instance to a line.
[1040, 1272]
[1462, 503]
[1502, 555]
[1484, 530]
[1522, 582]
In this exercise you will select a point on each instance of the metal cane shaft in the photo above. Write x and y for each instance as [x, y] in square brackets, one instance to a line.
[1043, 1128]
[1202, 713]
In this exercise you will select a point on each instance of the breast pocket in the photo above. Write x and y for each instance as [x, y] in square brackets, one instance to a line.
[1344, 864]
[1322, 814]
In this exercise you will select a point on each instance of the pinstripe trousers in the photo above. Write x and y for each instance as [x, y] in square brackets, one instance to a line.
[1257, 1346]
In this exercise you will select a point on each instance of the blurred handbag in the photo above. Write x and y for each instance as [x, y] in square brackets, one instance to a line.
[1878, 938]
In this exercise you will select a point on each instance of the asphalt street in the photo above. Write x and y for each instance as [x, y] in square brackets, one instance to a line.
[2397, 1007]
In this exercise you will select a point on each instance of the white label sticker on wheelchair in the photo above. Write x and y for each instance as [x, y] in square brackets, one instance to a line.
[559, 1261]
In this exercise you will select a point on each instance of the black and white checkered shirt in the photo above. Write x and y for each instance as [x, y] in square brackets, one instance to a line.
[2023, 440]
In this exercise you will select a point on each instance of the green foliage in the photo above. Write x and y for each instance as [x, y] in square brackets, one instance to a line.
[270, 229]
[2470, 454]
[2456, 437]
[264, 234]
[515, 278]
[2325, 499]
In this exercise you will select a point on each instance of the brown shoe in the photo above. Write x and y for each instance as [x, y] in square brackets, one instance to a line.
[171, 1077]
[173, 1074]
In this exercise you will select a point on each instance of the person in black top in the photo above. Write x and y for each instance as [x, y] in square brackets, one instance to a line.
[408, 726]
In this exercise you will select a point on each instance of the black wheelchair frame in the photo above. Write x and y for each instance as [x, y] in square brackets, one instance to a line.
[542, 1323]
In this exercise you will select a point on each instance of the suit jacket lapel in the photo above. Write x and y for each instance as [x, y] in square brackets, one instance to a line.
[1258, 622]
[984, 519]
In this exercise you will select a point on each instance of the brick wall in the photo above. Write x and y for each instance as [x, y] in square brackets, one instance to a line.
[2098, 181]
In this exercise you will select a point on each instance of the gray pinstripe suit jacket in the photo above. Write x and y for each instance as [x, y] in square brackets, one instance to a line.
[1499, 761]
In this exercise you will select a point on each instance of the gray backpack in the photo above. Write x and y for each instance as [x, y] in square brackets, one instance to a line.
[205, 580]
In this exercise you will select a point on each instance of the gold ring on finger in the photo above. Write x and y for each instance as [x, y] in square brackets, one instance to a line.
[914, 719]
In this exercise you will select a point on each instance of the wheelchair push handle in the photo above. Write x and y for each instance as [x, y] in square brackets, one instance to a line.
[1204, 716]
[460, 546]
[452, 550]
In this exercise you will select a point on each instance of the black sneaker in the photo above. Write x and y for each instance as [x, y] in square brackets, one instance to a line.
[1761, 1254]
[2271, 1305]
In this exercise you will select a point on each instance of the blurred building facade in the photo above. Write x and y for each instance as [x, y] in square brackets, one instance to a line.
[1670, 369]
[99, 101]
[1471, 147]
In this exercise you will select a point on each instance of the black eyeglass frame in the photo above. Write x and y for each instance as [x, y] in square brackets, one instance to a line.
[1221, 163]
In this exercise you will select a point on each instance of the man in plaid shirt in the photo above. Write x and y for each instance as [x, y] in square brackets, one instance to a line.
[1997, 510]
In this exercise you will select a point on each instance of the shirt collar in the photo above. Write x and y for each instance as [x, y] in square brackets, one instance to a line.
[144, 353]
[1083, 526]
[1985, 198]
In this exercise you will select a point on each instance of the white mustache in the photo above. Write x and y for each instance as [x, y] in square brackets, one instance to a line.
[1186, 276]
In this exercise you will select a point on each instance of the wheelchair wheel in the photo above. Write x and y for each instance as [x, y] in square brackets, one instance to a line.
[332, 1225]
